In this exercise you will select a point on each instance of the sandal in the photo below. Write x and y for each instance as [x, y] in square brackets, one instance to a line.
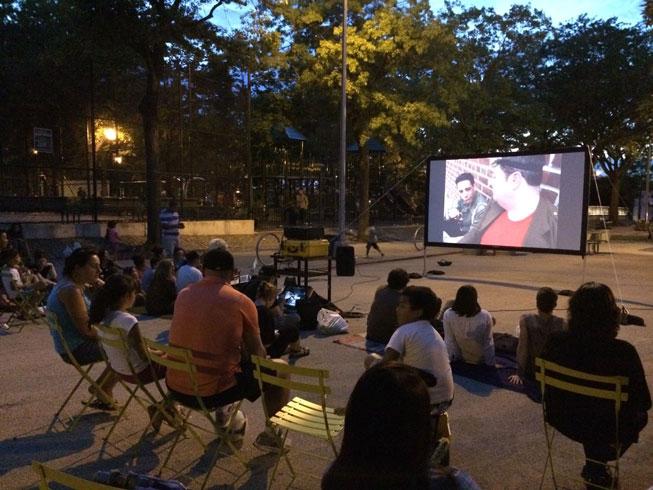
[100, 405]
[301, 352]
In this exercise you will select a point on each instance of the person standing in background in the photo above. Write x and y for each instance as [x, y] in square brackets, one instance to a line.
[170, 226]
[301, 200]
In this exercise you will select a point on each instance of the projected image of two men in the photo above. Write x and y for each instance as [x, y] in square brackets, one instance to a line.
[516, 201]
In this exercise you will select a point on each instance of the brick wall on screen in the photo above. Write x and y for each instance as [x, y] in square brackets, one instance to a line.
[477, 167]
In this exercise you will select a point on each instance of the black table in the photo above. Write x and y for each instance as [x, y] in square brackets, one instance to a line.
[302, 272]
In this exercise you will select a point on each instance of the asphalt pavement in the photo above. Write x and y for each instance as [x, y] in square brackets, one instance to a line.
[497, 434]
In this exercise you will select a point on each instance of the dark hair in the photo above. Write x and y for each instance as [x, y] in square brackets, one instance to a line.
[530, 170]
[138, 260]
[397, 278]
[178, 249]
[156, 251]
[593, 311]
[218, 260]
[108, 296]
[546, 299]
[79, 258]
[422, 297]
[192, 256]
[154, 261]
[387, 432]
[466, 302]
[111, 224]
[164, 270]
[266, 290]
[465, 176]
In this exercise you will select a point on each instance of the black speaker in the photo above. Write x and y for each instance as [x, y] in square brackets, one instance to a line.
[345, 261]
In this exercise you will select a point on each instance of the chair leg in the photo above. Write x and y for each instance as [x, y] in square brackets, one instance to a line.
[132, 394]
[65, 402]
[282, 454]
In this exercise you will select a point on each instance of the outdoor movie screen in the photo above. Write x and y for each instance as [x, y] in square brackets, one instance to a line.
[515, 201]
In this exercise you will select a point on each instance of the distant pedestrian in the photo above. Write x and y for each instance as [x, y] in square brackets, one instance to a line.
[372, 241]
[170, 226]
[301, 200]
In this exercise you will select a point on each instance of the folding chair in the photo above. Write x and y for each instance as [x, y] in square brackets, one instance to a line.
[299, 415]
[116, 338]
[47, 475]
[179, 359]
[84, 373]
[26, 308]
[581, 384]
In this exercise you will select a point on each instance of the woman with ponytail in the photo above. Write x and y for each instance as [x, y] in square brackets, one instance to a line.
[109, 307]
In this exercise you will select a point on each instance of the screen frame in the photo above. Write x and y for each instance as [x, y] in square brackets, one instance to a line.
[587, 167]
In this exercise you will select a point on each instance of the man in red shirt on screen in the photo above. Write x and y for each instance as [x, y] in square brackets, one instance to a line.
[518, 216]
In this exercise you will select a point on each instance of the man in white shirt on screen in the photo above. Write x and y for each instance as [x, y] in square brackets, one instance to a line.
[518, 216]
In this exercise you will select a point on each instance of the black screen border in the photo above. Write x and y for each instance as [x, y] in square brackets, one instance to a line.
[586, 176]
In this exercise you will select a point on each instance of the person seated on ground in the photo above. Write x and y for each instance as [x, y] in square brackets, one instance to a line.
[139, 268]
[468, 329]
[162, 292]
[218, 243]
[590, 345]
[418, 344]
[387, 441]
[69, 302]
[107, 266]
[189, 272]
[220, 326]
[382, 318]
[4, 242]
[148, 274]
[534, 331]
[44, 267]
[110, 307]
[278, 337]
[179, 257]
[18, 280]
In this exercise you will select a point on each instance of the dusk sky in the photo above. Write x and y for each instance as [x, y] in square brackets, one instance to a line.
[626, 11]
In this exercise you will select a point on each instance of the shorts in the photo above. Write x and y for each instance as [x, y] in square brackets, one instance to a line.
[246, 387]
[88, 352]
[148, 375]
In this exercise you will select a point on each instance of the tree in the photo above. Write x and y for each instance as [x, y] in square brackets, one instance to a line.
[150, 29]
[598, 76]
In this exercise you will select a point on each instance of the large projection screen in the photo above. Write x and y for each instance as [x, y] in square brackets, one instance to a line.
[515, 201]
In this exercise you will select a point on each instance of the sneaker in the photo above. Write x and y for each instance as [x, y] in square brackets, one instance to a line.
[270, 439]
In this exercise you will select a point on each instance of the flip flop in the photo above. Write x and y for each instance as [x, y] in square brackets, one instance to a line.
[100, 405]
[304, 351]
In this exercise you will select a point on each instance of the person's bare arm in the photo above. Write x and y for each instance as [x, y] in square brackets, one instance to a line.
[135, 341]
[74, 303]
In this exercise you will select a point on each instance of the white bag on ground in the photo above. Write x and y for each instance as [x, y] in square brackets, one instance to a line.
[331, 323]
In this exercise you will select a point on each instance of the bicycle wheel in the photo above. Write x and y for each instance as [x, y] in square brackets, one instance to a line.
[266, 246]
[418, 238]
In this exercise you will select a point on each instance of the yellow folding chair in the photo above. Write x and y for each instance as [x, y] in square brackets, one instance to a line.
[27, 309]
[84, 372]
[610, 388]
[179, 359]
[116, 338]
[299, 415]
[440, 456]
[47, 475]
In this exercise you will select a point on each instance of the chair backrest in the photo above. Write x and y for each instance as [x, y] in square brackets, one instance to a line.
[115, 338]
[47, 475]
[586, 404]
[313, 379]
[171, 357]
[55, 328]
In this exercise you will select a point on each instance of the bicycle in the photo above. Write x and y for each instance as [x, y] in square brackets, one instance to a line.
[418, 238]
[266, 246]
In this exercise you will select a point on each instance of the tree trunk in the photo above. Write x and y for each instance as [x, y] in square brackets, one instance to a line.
[364, 196]
[149, 109]
[615, 181]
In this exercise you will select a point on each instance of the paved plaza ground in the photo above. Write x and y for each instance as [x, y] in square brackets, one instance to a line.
[497, 434]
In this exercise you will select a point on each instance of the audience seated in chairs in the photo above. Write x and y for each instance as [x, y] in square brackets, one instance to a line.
[419, 345]
[382, 319]
[590, 345]
[220, 326]
[44, 267]
[387, 440]
[278, 336]
[69, 302]
[23, 288]
[189, 272]
[468, 329]
[534, 331]
[162, 292]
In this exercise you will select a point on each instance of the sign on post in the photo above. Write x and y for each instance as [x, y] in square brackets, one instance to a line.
[43, 140]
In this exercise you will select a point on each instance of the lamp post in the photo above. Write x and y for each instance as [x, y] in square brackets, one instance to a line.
[342, 216]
